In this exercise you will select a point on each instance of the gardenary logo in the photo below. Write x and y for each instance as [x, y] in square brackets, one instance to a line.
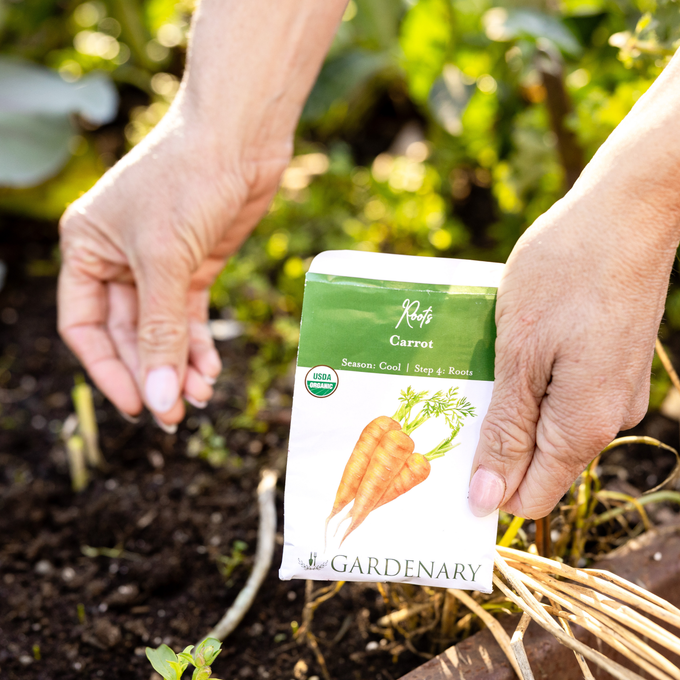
[321, 381]
[412, 314]
[311, 564]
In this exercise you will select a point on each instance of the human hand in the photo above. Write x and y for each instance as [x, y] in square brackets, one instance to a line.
[140, 251]
[577, 320]
[578, 312]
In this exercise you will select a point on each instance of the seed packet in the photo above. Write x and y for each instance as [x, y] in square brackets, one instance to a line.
[394, 376]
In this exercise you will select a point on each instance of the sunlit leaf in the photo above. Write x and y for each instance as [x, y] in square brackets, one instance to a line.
[425, 36]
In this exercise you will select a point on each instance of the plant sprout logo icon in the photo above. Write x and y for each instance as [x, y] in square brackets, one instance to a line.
[311, 564]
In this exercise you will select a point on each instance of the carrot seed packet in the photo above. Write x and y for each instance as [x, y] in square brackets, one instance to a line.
[394, 376]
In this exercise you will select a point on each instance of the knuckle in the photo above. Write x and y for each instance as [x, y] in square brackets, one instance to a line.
[161, 334]
[504, 439]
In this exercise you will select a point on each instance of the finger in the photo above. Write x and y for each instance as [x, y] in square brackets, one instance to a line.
[507, 435]
[202, 353]
[578, 419]
[163, 338]
[122, 323]
[196, 391]
[82, 303]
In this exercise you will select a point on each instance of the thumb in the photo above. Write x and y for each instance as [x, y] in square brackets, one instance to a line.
[163, 336]
[508, 434]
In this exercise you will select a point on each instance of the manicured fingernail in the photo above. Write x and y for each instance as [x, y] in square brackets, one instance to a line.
[195, 402]
[487, 490]
[126, 416]
[209, 380]
[161, 389]
[169, 429]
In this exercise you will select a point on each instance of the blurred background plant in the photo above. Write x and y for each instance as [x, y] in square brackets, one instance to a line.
[436, 127]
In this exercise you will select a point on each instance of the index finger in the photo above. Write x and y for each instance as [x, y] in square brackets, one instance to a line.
[82, 314]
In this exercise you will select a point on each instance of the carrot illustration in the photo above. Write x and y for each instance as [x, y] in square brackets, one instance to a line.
[389, 457]
[359, 460]
[415, 470]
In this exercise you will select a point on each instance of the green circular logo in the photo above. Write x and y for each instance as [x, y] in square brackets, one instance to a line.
[321, 381]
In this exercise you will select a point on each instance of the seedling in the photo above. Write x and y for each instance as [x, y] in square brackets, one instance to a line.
[80, 435]
[208, 445]
[171, 666]
[228, 563]
[87, 422]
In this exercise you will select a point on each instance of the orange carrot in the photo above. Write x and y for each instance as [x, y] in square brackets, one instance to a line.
[416, 469]
[359, 460]
[389, 457]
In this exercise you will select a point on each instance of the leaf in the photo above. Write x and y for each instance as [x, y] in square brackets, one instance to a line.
[31, 89]
[207, 652]
[35, 110]
[32, 147]
[503, 25]
[379, 20]
[185, 657]
[163, 659]
[448, 99]
[202, 673]
[340, 78]
[425, 41]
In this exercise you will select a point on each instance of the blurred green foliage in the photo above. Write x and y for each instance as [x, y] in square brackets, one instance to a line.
[436, 127]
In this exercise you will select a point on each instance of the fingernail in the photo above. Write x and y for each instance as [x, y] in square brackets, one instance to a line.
[161, 389]
[126, 416]
[169, 429]
[195, 402]
[209, 380]
[487, 490]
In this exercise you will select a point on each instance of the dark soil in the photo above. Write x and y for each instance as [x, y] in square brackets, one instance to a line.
[66, 614]
[69, 611]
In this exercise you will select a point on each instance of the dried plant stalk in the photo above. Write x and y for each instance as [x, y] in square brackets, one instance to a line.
[603, 581]
[600, 602]
[496, 630]
[266, 495]
[617, 670]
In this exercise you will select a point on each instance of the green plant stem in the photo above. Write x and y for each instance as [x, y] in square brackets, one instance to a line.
[511, 532]
[656, 497]
[440, 450]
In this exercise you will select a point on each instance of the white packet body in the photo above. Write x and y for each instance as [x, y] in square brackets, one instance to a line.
[395, 372]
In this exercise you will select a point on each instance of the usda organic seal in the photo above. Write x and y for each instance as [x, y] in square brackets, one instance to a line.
[321, 381]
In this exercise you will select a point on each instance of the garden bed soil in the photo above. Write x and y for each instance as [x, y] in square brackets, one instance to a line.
[88, 580]
[67, 612]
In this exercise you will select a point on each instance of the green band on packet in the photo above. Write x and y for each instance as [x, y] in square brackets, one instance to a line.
[393, 379]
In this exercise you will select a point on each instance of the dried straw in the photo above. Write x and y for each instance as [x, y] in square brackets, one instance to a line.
[602, 603]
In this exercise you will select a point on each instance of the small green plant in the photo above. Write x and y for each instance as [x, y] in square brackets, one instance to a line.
[228, 563]
[171, 666]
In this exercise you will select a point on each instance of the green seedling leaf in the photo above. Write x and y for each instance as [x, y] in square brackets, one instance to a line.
[202, 673]
[186, 658]
[207, 652]
[178, 667]
[164, 662]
